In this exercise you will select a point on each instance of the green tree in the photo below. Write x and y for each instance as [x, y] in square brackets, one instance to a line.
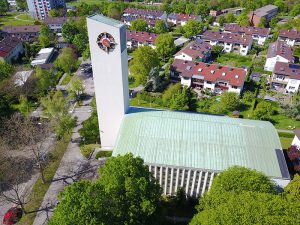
[170, 93]
[189, 8]
[69, 30]
[45, 80]
[165, 46]
[247, 208]
[262, 22]
[57, 12]
[296, 10]
[248, 97]
[202, 10]
[134, 195]
[22, 4]
[264, 111]
[192, 27]
[6, 70]
[81, 41]
[76, 89]
[67, 60]
[45, 35]
[24, 106]
[115, 10]
[221, 20]
[273, 23]
[238, 179]
[144, 59]
[216, 50]
[90, 129]
[230, 18]
[3, 7]
[293, 188]
[230, 101]
[83, 202]
[183, 100]
[160, 27]
[282, 6]
[243, 20]
[139, 25]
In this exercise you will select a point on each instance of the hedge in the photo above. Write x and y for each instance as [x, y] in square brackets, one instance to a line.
[103, 154]
[286, 135]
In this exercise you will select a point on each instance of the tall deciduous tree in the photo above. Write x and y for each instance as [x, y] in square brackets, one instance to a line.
[67, 60]
[160, 27]
[264, 111]
[3, 7]
[230, 18]
[5, 70]
[192, 27]
[45, 79]
[230, 101]
[293, 188]
[165, 46]
[243, 19]
[81, 41]
[76, 89]
[183, 100]
[45, 35]
[262, 22]
[139, 25]
[22, 4]
[144, 59]
[69, 30]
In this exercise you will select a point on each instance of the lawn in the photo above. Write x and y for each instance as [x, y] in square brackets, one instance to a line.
[39, 189]
[231, 59]
[77, 2]
[10, 20]
[142, 103]
[286, 142]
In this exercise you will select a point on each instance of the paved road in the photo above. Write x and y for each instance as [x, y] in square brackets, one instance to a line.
[72, 162]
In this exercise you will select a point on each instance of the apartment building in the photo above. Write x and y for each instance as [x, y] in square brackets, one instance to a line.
[40, 8]
[181, 19]
[136, 39]
[268, 12]
[56, 23]
[291, 37]
[24, 33]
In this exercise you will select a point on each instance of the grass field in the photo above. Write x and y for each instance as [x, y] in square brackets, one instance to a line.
[286, 142]
[16, 19]
[231, 59]
[77, 2]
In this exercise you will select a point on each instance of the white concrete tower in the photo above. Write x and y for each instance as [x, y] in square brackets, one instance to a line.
[107, 38]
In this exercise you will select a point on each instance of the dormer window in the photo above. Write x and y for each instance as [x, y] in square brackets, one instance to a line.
[200, 69]
[223, 74]
[236, 76]
[212, 71]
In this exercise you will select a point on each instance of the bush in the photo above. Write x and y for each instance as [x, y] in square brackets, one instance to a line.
[286, 135]
[86, 150]
[103, 154]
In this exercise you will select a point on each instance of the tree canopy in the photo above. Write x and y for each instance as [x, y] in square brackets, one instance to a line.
[124, 194]
[67, 60]
[160, 27]
[293, 188]
[45, 35]
[230, 101]
[139, 25]
[243, 19]
[192, 27]
[144, 59]
[165, 46]
[6, 70]
[3, 7]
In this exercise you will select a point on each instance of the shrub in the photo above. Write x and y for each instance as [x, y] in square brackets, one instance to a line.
[103, 154]
[286, 135]
[86, 150]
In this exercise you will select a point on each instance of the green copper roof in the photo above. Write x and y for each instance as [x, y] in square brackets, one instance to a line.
[106, 20]
[201, 141]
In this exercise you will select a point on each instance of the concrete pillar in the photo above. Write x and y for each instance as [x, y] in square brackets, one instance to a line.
[155, 172]
[182, 178]
[160, 175]
[171, 181]
[177, 179]
[188, 182]
[199, 183]
[204, 183]
[211, 180]
[166, 180]
[193, 183]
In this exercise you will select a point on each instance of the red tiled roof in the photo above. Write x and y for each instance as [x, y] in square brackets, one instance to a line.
[282, 49]
[227, 37]
[144, 12]
[288, 69]
[21, 29]
[235, 28]
[59, 20]
[183, 17]
[149, 21]
[290, 34]
[7, 45]
[210, 72]
[141, 36]
[196, 49]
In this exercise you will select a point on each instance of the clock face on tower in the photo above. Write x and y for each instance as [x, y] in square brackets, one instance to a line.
[106, 42]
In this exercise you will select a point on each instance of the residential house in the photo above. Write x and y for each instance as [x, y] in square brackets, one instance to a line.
[198, 51]
[296, 140]
[24, 33]
[10, 49]
[56, 23]
[43, 57]
[136, 39]
[286, 77]
[278, 51]
[258, 34]
[151, 16]
[291, 37]
[181, 19]
[213, 77]
[231, 42]
[294, 156]
[268, 12]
